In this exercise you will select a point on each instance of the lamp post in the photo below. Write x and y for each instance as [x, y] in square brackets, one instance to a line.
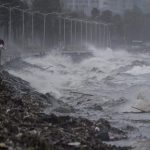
[107, 27]
[109, 36]
[75, 32]
[23, 26]
[10, 19]
[64, 31]
[32, 28]
[23, 22]
[104, 36]
[32, 24]
[71, 32]
[86, 33]
[91, 33]
[99, 35]
[95, 34]
[81, 35]
[23, 29]
[9, 22]
[44, 26]
[60, 31]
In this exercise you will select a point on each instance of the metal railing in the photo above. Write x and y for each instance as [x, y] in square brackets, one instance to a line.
[27, 30]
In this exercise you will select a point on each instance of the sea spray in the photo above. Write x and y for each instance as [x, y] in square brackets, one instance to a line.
[55, 72]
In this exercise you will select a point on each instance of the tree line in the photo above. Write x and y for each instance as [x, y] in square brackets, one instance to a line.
[132, 25]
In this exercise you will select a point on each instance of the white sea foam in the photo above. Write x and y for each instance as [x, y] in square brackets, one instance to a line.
[59, 72]
[139, 70]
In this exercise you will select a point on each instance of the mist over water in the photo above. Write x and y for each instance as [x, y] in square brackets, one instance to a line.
[115, 80]
[107, 73]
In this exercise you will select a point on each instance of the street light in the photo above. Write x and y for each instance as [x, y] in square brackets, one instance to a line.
[81, 35]
[60, 31]
[4, 4]
[44, 25]
[23, 26]
[10, 21]
[32, 23]
[7, 3]
[96, 31]
[10, 18]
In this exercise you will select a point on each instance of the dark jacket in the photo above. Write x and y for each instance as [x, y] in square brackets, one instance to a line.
[2, 42]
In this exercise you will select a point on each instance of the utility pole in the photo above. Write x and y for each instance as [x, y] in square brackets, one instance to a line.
[71, 33]
[60, 31]
[86, 31]
[32, 15]
[91, 26]
[64, 32]
[75, 32]
[96, 33]
[44, 33]
[99, 36]
[10, 20]
[104, 36]
[81, 36]
[23, 29]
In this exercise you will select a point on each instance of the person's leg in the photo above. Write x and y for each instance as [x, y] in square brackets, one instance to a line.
[1, 68]
[0, 57]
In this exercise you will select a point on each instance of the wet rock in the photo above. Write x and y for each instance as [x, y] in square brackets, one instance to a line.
[116, 136]
[96, 107]
[75, 144]
[3, 146]
[65, 109]
[25, 126]
[103, 135]
[97, 129]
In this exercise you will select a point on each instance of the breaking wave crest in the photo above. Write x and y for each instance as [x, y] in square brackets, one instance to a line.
[105, 72]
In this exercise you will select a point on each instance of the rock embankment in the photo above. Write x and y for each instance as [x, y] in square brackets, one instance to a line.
[24, 126]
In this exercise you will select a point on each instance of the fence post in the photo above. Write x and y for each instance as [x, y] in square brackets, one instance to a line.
[86, 38]
[23, 28]
[60, 32]
[95, 34]
[81, 35]
[75, 32]
[0, 57]
[44, 33]
[104, 36]
[71, 32]
[99, 35]
[107, 27]
[91, 33]
[64, 32]
[109, 36]
[32, 15]
[10, 20]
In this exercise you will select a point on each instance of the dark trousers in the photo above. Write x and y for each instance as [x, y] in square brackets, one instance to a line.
[0, 57]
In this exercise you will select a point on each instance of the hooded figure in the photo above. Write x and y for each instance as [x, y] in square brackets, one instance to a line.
[1, 43]
[1, 48]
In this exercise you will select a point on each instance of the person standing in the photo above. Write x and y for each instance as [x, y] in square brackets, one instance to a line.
[1, 48]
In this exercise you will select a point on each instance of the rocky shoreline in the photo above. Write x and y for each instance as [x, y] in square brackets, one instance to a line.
[25, 126]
